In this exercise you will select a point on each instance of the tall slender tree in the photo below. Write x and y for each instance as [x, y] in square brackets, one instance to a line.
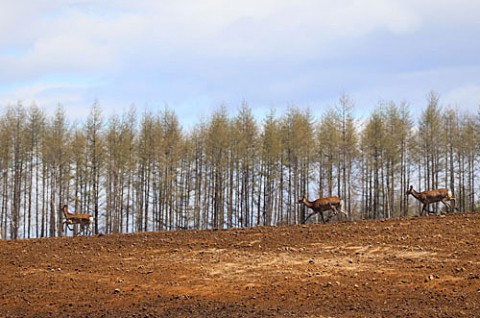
[298, 148]
[169, 152]
[271, 170]
[430, 141]
[245, 155]
[217, 152]
[146, 146]
[16, 122]
[36, 124]
[95, 150]
[55, 160]
[119, 141]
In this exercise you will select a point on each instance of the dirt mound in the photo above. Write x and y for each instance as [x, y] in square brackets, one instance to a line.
[413, 267]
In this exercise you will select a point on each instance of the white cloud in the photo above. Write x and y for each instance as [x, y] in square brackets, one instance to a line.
[213, 27]
[466, 97]
[261, 29]
[48, 94]
[264, 51]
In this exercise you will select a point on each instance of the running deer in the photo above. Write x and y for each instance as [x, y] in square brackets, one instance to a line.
[84, 219]
[334, 204]
[432, 196]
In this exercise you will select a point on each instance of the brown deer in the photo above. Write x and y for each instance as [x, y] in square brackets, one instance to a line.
[432, 196]
[334, 204]
[84, 219]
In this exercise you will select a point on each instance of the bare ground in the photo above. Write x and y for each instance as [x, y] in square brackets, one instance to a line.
[412, 267]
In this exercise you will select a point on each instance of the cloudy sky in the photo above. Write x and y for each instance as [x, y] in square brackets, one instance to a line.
[194, 55]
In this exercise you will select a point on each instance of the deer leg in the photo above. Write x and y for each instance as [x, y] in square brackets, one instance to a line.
[305, 221]
[341, 211]
[67, 225]
[334, 212]
[81, 229]
[453, 204]
[425, 210]
[330, 215]
[447, 204]
[321, 214]
[334, 209]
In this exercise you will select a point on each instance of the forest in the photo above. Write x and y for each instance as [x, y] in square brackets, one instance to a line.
[145, 172]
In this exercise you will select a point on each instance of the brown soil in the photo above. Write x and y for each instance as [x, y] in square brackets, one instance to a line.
[412, 267]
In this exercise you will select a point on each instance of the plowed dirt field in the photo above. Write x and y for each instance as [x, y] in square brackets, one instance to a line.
[411, 267]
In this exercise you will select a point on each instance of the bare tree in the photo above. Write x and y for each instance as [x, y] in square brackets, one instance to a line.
[95, 160]
[271, 170]
[217, 152]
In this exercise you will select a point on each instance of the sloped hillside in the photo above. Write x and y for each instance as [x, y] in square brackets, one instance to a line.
[413, 267]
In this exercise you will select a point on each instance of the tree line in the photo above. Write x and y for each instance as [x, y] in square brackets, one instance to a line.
[144, 172]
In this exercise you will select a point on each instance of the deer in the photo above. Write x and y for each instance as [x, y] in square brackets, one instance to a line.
[333, 203]
[84, 219]
[432, 196]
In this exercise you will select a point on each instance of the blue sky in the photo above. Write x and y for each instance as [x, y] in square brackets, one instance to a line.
[192, 56]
